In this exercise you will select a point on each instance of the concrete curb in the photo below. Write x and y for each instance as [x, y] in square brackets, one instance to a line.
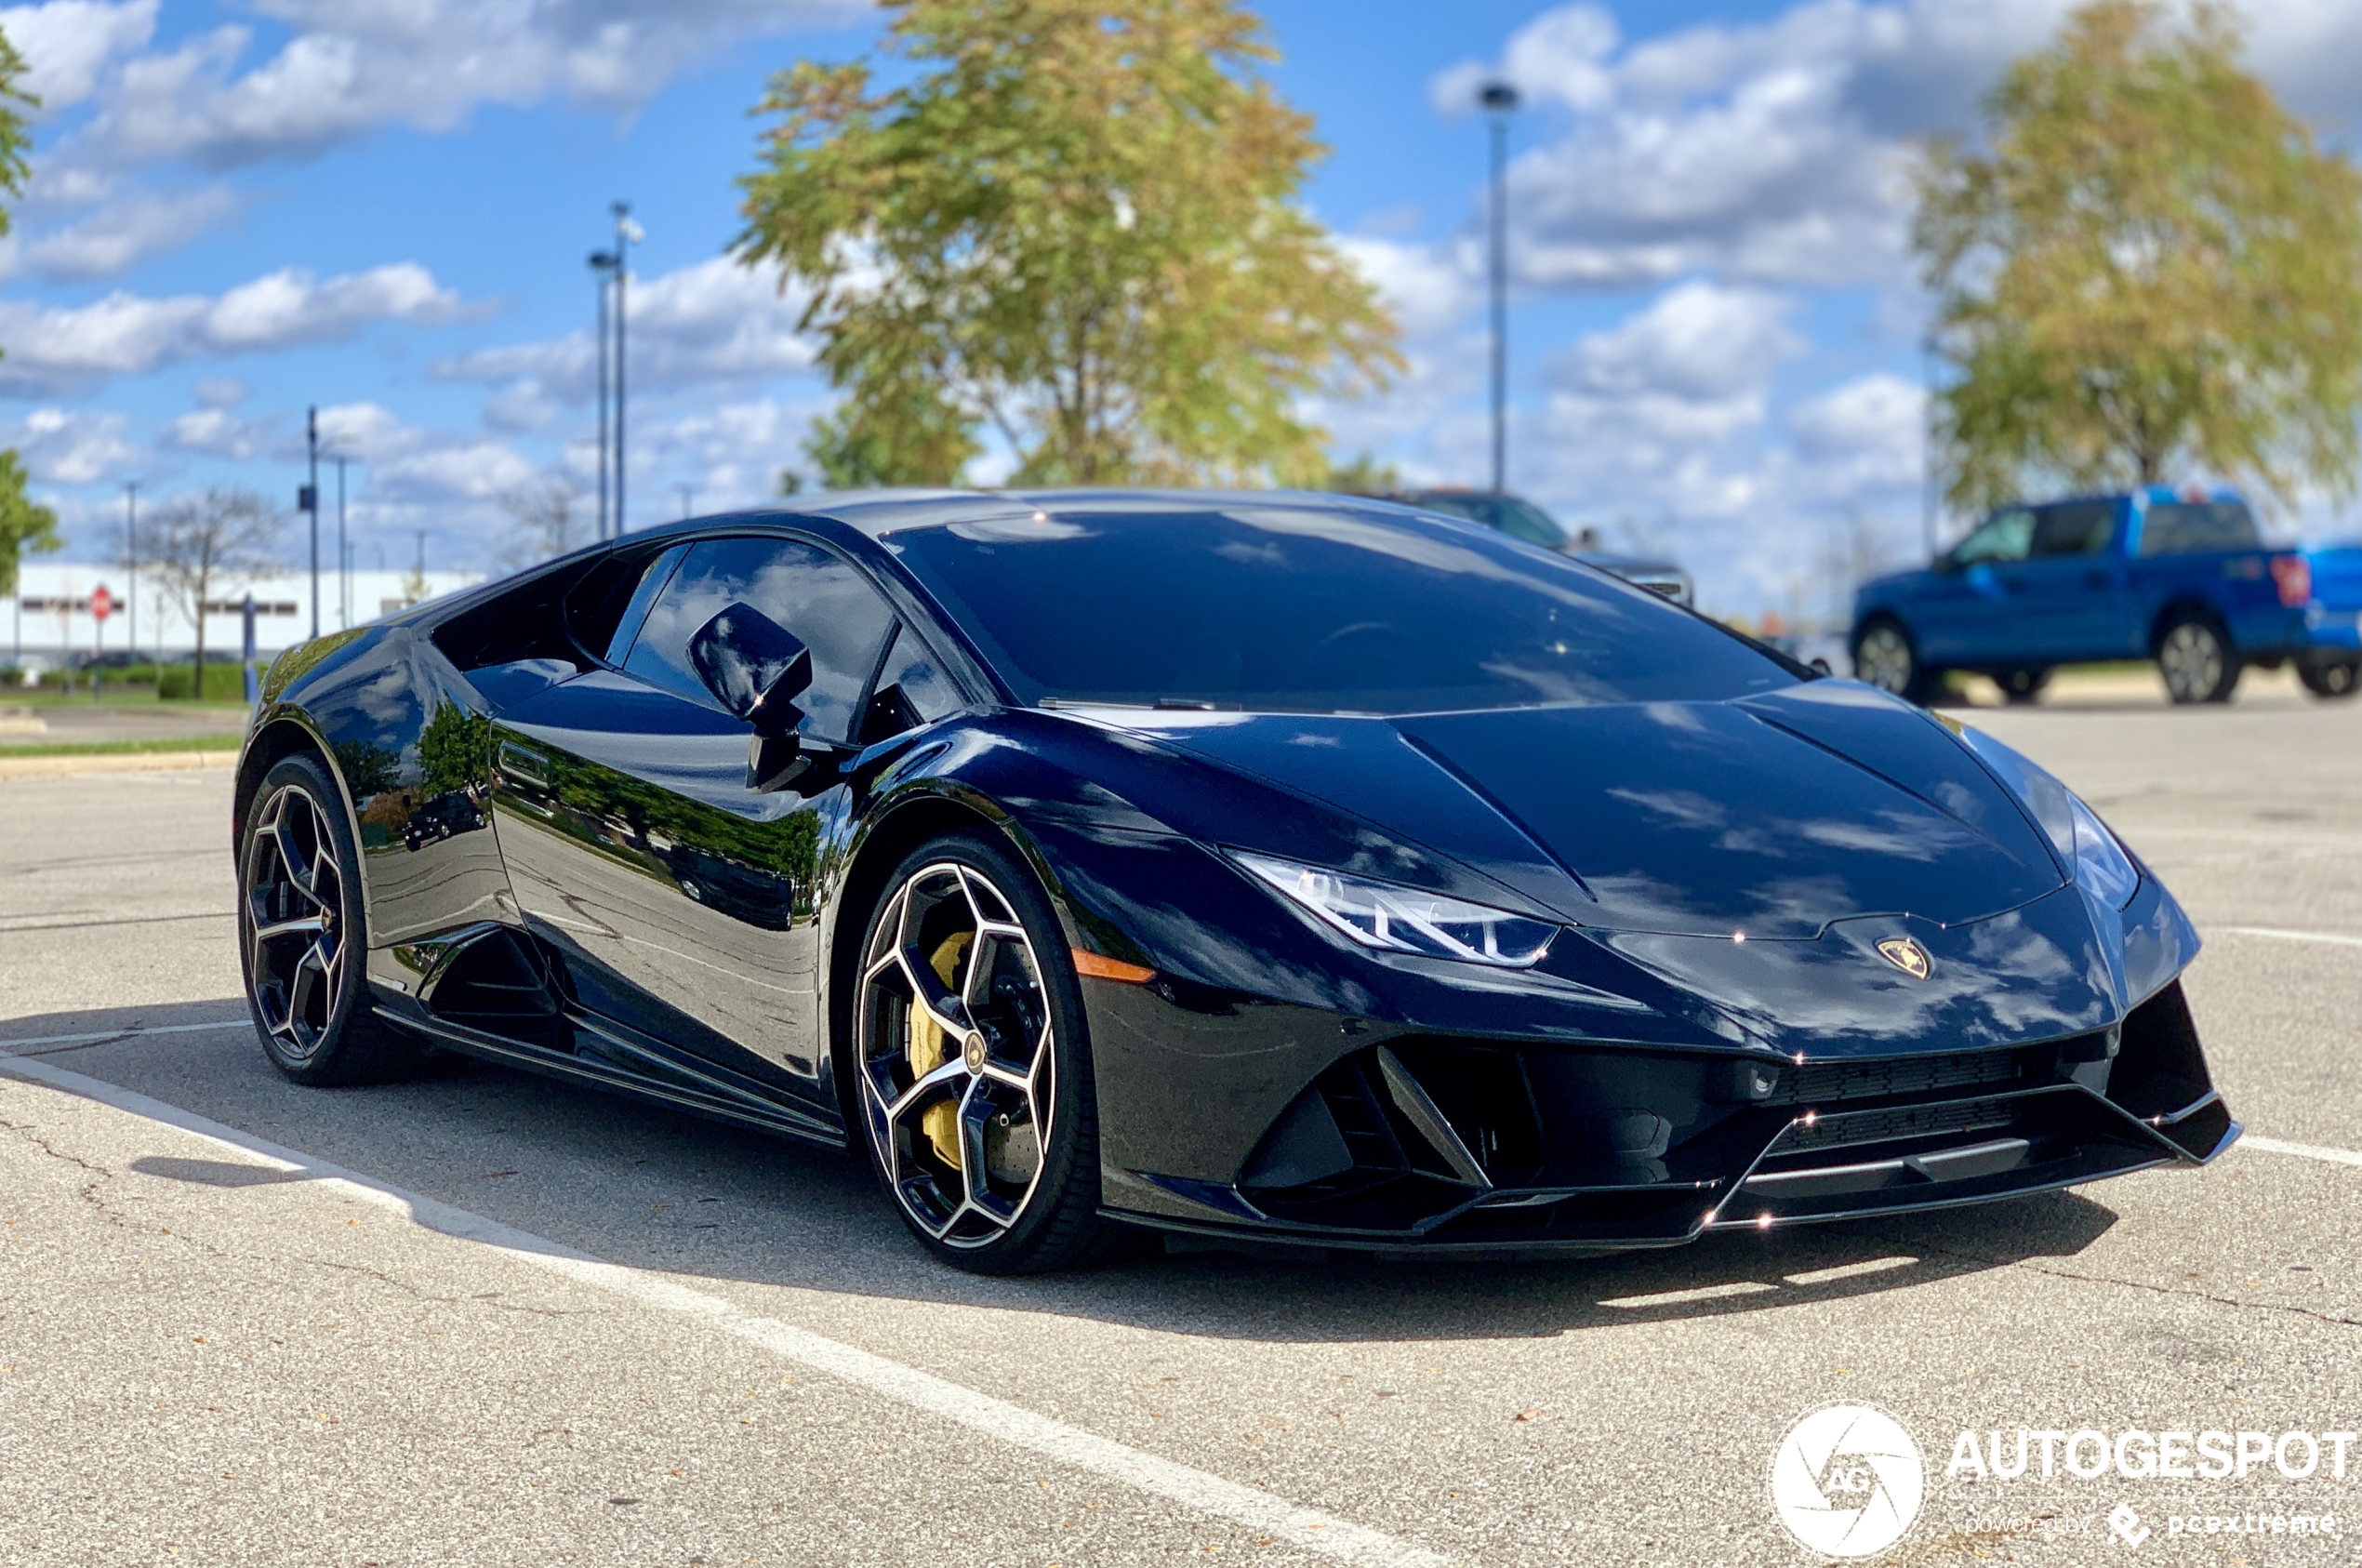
[112, 762]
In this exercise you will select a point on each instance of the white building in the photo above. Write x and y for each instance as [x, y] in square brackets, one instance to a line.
[49, 620]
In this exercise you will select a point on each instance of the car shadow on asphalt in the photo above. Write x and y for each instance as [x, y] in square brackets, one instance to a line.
[651, 1187]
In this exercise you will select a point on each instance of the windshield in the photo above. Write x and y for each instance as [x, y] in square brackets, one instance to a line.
[1311, 609]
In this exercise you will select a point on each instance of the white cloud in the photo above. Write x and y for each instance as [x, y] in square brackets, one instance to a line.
[68, 45]
[715, 321]
[218, 432]
[76, 347]
[1699, 341]
[117, 236]
[1428, 289]
[63, 447]
[353, 66]
[1775, 151]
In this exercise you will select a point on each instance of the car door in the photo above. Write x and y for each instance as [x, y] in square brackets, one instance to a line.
[1961, 614]
[681, 897]
[2064, 594]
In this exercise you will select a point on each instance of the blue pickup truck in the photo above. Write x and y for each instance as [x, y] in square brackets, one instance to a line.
[2177, 576]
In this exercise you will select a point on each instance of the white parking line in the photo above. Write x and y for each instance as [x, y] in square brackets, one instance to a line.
[2329, 936]
[7, 1045]
[2308, 1150]
[921, 1390]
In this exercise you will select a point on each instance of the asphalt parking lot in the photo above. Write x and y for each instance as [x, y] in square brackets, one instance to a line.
[489, 1319]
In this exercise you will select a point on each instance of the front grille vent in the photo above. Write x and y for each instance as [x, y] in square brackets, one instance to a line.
[1904, 1121]
[1827, 1083]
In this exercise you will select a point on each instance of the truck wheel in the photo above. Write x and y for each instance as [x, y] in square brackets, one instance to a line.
[2024, 685]
[2330, 677]
[2195, 659]
[1884, 658]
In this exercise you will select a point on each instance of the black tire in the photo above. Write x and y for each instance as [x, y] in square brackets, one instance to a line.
[2330, 677]
[1029, 1204]
[303, 944]
[2196, 659]
[1886, 657]
[2023, 686]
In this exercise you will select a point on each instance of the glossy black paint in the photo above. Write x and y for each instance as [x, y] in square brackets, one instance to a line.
[569, 866]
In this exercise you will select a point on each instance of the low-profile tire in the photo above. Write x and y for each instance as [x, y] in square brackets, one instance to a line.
[2330, 677]
[2023, 686]
[2195, 657]
[970, 1064]
[303, 936]
[1885, 657]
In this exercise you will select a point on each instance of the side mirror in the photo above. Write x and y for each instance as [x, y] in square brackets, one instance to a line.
[756, 668]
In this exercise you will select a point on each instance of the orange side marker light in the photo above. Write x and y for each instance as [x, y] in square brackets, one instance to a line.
[1103, 968]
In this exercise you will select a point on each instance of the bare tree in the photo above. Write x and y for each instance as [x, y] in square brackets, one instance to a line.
[548, 520]
[196, 540]
[1853, 550]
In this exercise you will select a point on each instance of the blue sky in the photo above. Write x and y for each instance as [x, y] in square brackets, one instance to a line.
[382, 207]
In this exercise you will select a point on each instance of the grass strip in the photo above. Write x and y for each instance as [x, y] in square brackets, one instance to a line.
[221, 742]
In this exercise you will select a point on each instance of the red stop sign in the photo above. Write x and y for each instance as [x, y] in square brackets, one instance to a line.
[101, 602]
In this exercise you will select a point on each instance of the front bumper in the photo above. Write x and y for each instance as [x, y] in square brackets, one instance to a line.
[1426, 1143]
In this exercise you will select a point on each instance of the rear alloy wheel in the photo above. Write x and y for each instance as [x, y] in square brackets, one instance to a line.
[973, 1078]
[302, 937]
[2332, 677]
[1883, 657]
[2195, 659]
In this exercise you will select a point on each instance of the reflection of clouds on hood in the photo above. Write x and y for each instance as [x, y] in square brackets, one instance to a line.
[2030, 975]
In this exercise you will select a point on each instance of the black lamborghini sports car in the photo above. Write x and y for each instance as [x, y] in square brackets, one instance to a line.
[1260, 866]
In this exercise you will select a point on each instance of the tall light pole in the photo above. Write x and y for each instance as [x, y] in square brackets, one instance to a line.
[688, 493]
[1927, 442]
[625, 231]
[602, 265]
[344, 575]
[1500, 100]
[132, 560]
[311, 500]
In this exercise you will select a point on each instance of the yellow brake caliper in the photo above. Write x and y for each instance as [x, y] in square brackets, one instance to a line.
[940, 1121]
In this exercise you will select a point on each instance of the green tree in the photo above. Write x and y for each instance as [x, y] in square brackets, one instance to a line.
[454, 751]
[1074, 222]
[1363, 475]
[25, 525]
[25, 528]
[2151, 267]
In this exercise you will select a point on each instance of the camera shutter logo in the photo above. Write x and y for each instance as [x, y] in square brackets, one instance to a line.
[1847, 1481]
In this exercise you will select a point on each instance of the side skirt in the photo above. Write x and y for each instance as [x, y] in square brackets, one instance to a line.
[733, 1110]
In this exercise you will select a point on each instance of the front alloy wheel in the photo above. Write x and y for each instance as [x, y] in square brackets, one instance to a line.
[302, 935]
[2196, 662]
[975, 1092]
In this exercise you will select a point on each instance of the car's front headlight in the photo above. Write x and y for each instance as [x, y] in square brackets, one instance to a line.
[1395, 919]
[2082, 840]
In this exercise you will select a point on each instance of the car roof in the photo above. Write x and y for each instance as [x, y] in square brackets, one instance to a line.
[879, 512]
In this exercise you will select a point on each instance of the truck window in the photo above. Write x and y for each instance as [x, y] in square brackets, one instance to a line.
[2195, 527]
[2003, 537]
[2079, 528]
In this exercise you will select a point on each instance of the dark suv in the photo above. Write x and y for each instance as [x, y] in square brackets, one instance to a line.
[1521, 519]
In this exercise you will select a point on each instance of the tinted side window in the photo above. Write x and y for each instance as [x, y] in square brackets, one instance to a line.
[627, 627]
[2004, 536]
[813, 594]
[2193, 527]
[2083, 528]
[912, 690]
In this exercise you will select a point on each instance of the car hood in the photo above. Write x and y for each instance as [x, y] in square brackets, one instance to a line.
[1766, 818]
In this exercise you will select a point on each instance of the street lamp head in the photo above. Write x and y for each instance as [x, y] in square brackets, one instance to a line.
[1498, 98]
[602, 260]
